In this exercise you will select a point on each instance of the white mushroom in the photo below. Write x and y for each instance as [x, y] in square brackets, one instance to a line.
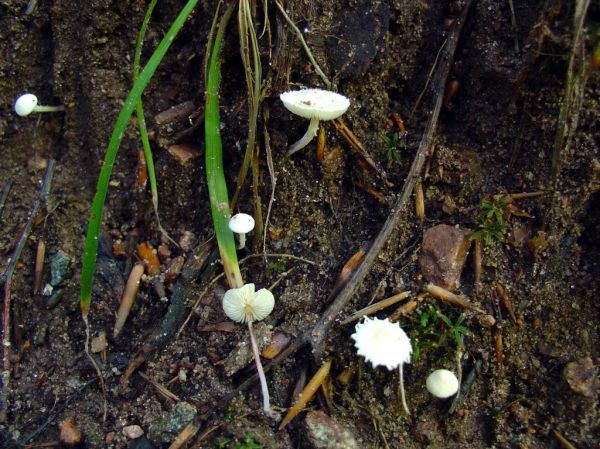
[28, 103]
[442, 383]
[241, 224]
[316, 105]
[382, 342]
[244, 304]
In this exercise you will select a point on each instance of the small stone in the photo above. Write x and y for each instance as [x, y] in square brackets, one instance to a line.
[110, 437]
[326, 433]
[426, 430]
[99, 343]
[175, 267]
[69, 434]
[443, 255]
[242, 355]
[163, 252]
[581, 377]
[37, 163]
[187, 241]
[183, 153]
[60, 264]
[172, 422]
[133, 432]
[141, 443]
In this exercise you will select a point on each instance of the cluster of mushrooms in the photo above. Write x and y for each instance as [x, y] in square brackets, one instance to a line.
[380, 342]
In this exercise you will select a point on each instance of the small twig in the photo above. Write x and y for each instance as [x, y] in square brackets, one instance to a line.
[164, 391]
[376, 307]
[563, 441]
[304, 45]
[4, 196]
[6, 280]
[576, 78]
[513, 22]
[272, 175]
[429, 76]
[39, 267]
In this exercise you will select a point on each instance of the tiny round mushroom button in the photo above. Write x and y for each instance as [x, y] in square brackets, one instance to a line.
[241, 224]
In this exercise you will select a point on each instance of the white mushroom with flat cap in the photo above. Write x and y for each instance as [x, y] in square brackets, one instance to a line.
[316, 105]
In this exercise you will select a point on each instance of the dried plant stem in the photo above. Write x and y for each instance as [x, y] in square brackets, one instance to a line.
[86, 348]
[39, 266]
[128, 297]
[376, 307]
[304, 45]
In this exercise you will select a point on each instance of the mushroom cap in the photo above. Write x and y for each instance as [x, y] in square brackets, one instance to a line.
[241, 223]
[382, 342]
[242, 304]
[442, 383]
[315, 103]
[25, 104]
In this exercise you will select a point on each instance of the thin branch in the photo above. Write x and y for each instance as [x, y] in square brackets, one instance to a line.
[304, 45]
[6, 280]
[4, 196]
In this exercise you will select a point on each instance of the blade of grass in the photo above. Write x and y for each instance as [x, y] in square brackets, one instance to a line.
[95, 221]
[215, 176]
[139, 109]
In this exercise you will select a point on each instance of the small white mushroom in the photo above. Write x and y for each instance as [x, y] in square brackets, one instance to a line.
[241, 224]
[244, 304]
[382, 342]
[28, 103]
[442, 383]
[316, 105]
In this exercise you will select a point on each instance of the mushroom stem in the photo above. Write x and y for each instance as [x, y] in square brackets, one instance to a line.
[40, 108]
[311, 132]
[242, 238]
[402, 395]
[259, 369]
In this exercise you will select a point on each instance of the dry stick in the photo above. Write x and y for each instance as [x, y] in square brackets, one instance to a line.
[316, 336]
[304, 45]
[568, 118]
[273, 176]
[4, 196]
[6, 280]
[513, 22]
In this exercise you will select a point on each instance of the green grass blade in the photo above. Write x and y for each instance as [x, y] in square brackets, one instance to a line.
[94, 224]
[139, 110]
[215, 176]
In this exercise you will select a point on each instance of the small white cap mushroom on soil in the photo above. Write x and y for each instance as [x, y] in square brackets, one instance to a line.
[244, 304]
[316, 105]
[28, 103]
[382, 342]
[241, 224]
[442, 383]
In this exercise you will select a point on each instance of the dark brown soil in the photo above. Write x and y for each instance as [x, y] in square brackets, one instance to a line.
[495, 135]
